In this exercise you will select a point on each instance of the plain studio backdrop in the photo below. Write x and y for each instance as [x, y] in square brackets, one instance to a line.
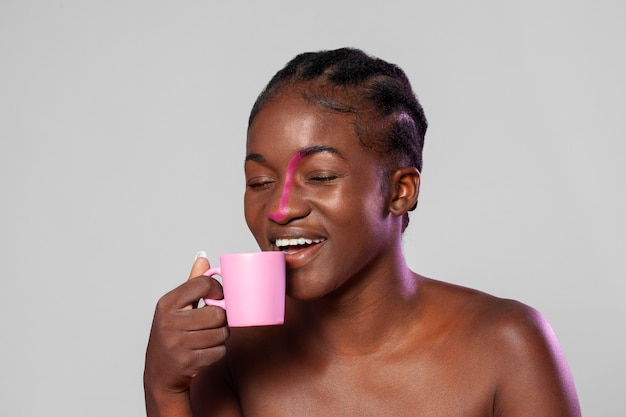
[122, 129]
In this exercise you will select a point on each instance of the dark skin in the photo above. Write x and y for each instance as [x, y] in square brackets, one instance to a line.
[364, 335]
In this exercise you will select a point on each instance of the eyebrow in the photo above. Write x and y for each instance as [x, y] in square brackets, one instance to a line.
[303, 153]
[255, 157]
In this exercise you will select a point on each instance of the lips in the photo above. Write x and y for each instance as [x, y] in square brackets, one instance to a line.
[287, 244]
[298, 250]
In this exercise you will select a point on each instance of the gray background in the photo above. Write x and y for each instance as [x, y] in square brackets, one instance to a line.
[122, 127]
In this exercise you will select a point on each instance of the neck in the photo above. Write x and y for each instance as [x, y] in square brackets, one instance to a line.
[367, 316]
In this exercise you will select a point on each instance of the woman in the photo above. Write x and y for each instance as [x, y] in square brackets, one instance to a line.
[334, 153]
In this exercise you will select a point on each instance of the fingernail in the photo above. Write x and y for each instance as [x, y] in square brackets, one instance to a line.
[201, 254]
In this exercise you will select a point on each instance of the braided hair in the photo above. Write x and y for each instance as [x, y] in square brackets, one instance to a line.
[388, 118]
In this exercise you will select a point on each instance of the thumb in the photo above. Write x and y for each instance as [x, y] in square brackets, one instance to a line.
[200, 265]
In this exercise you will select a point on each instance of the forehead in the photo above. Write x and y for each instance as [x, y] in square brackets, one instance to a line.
[292, 122]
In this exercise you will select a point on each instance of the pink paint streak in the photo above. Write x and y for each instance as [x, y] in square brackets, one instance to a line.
[281, 214]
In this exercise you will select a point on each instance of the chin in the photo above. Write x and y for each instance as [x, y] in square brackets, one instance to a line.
[302, 287]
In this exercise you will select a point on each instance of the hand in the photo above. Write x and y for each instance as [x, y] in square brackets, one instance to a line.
[183, 339]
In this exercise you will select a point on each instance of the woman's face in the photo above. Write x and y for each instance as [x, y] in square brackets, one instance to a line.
[315, 193]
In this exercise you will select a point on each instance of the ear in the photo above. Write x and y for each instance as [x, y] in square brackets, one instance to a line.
[404, 190]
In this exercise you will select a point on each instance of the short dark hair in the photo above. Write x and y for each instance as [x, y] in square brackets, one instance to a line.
[388, 117]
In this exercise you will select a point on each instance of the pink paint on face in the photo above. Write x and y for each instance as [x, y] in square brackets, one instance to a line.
[292, 166]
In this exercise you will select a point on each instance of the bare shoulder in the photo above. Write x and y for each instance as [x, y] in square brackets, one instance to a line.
[510, 321]
[529, 371]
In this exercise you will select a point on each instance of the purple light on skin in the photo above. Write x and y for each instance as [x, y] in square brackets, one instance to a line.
[281, 214]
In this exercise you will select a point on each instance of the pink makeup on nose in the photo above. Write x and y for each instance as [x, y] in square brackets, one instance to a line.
[284, 197]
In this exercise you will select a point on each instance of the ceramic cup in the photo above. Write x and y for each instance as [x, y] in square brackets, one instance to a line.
[254, 288]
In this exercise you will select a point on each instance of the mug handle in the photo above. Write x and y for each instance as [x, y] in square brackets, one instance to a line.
[209, 301]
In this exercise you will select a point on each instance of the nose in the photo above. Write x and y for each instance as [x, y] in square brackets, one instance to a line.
[287, 206]
[280, 214]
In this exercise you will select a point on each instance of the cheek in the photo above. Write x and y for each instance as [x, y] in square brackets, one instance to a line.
[364, 208]
[334, 203]
[252, 211]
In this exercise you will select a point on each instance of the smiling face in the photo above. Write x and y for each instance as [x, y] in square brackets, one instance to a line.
[315, 193]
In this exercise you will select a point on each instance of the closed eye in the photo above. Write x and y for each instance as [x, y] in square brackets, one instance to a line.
[324, 178]
[259, 183]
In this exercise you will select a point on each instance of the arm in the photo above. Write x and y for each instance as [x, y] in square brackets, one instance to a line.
[535, 379]
[183, 341]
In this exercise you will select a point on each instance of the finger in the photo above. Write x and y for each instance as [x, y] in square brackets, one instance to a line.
[200, 265]
[205, 339]
[208, 356]
[209, 317]
[195, 289]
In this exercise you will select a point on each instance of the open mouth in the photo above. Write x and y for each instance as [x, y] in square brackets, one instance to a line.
[296, 245]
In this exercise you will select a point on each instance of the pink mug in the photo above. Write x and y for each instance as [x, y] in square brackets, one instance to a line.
[254, 288]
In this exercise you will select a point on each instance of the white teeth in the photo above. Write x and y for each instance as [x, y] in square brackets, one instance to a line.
[295, 242]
